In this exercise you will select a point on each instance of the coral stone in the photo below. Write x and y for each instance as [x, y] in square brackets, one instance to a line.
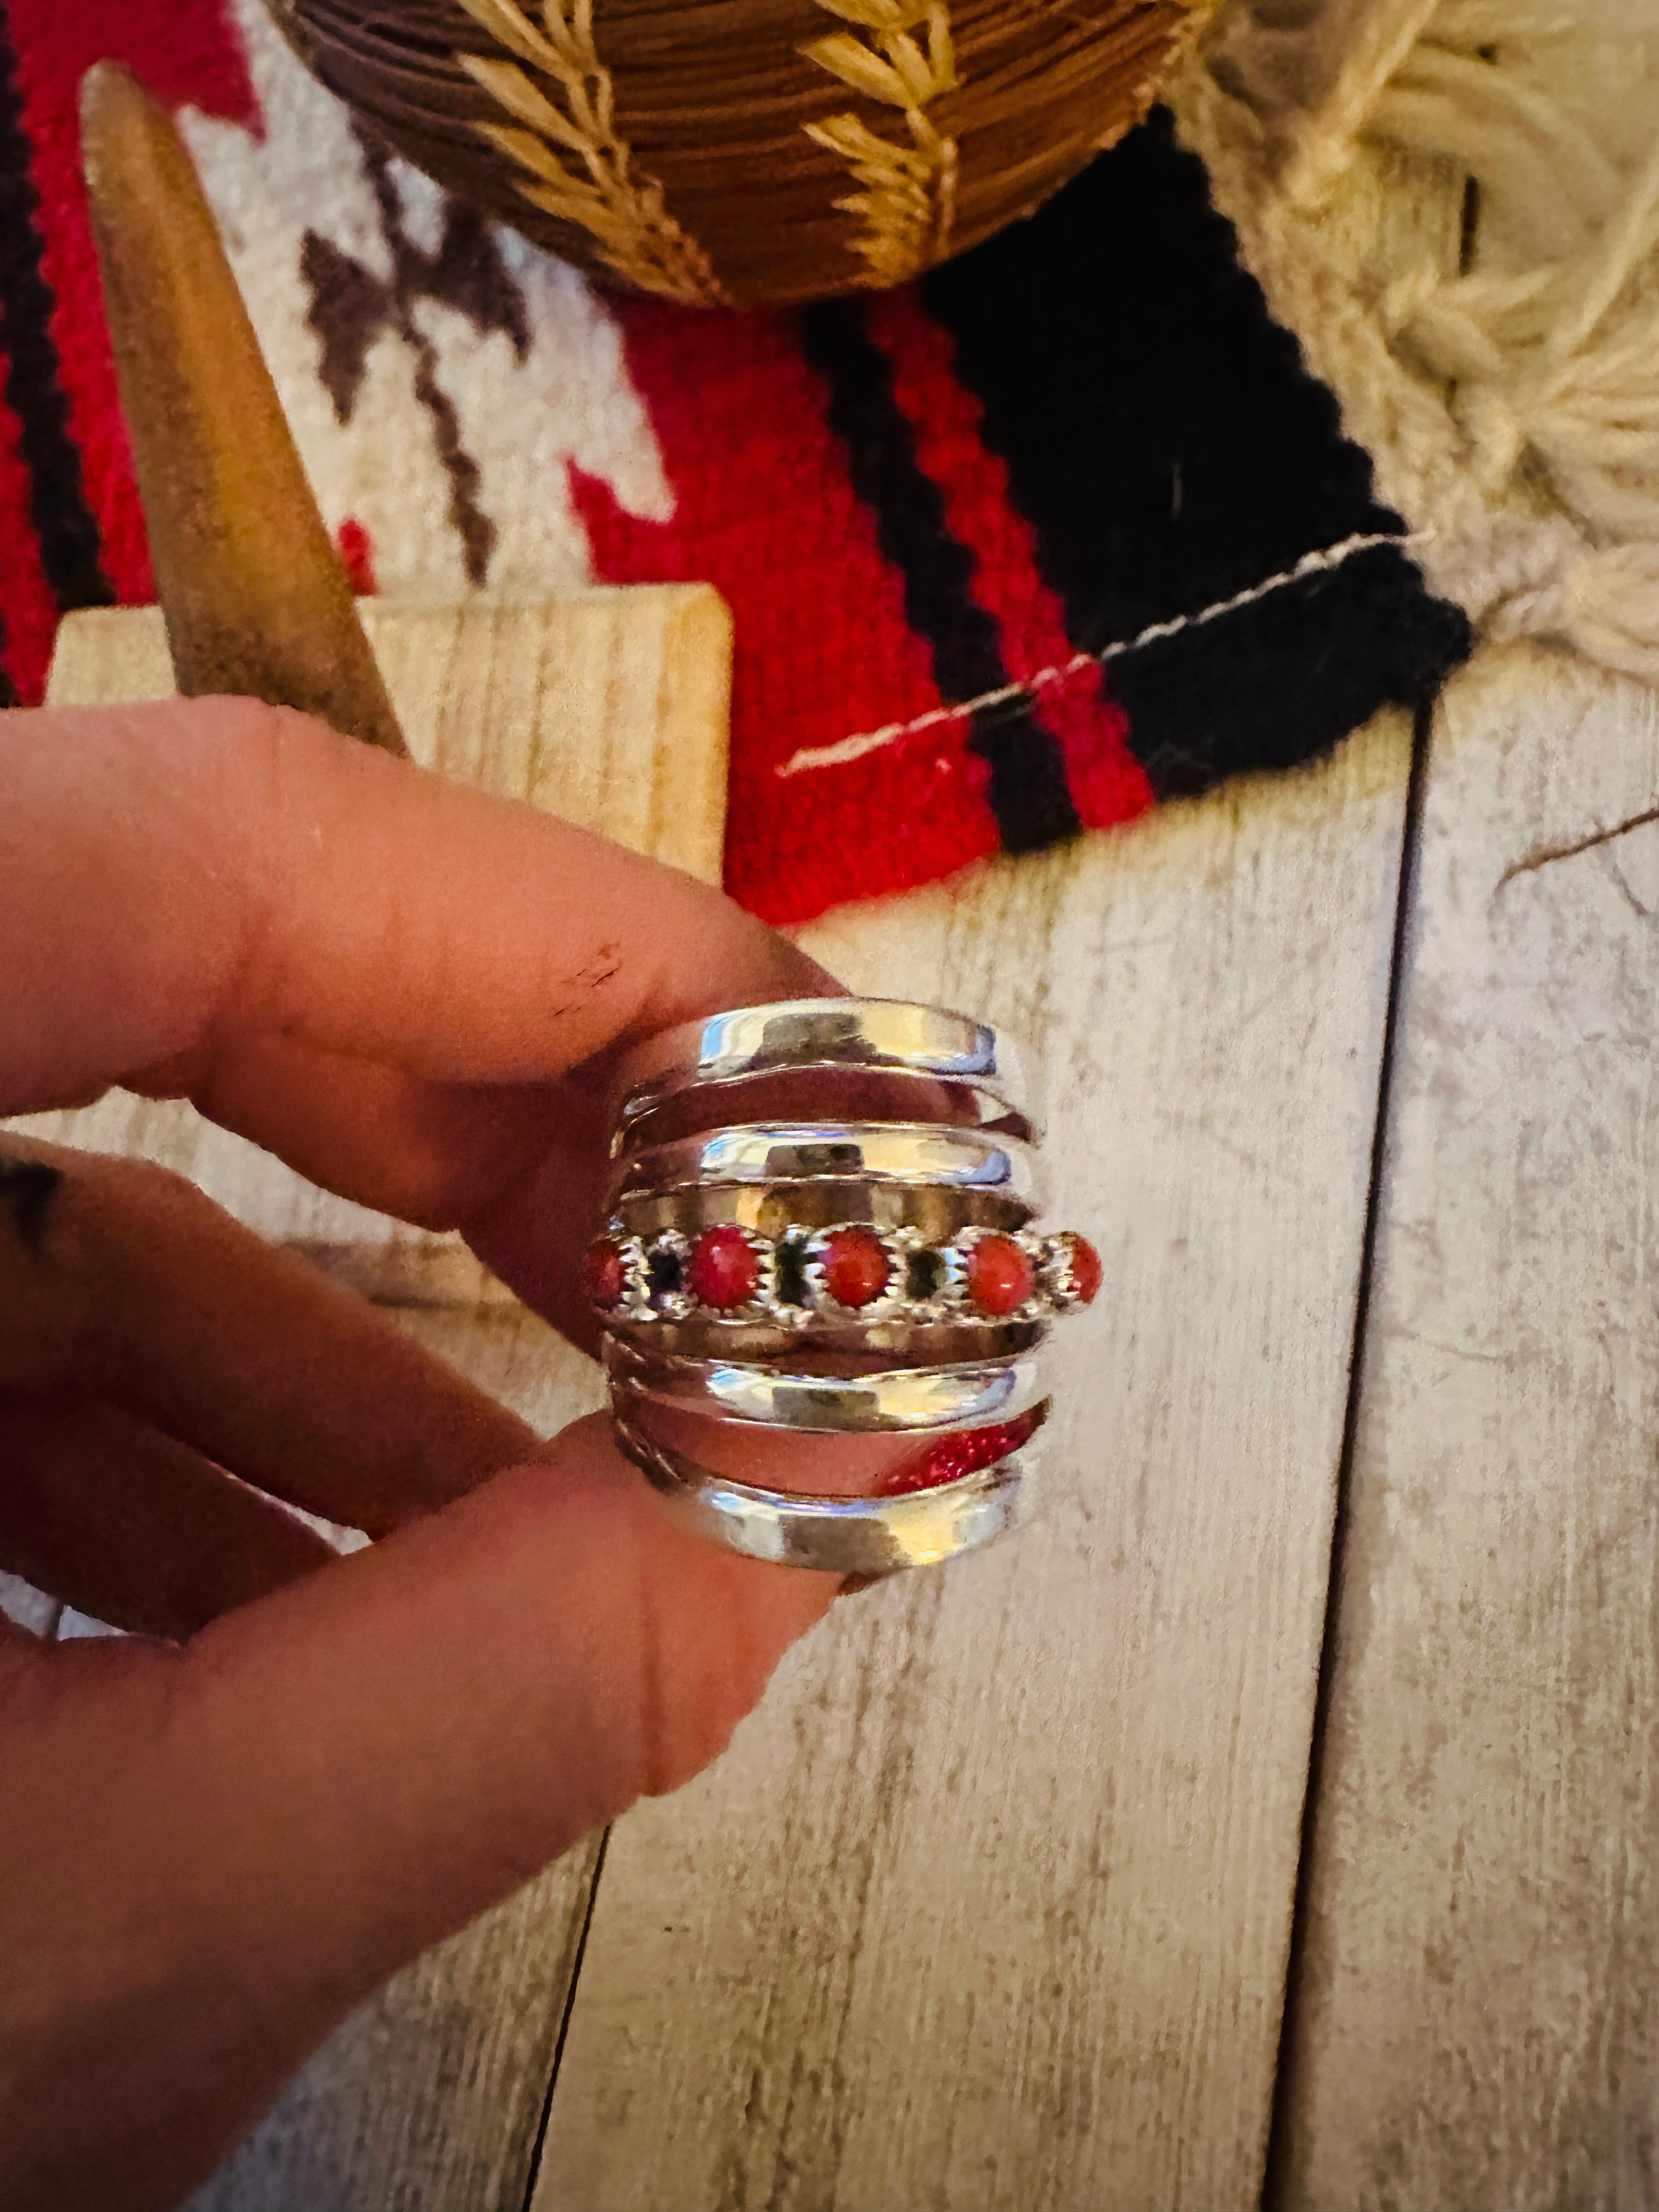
[604, 1274]
[1000, 1276]
[725, 1269]
[1083, 1270]
[953, 1457]
[856, 1266]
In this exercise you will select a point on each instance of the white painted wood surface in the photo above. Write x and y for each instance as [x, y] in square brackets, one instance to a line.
[608, 706]
[1477, 2012]
[989, 1906]
[431, 2098]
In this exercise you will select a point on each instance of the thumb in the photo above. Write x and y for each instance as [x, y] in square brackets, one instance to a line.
[218, 1852]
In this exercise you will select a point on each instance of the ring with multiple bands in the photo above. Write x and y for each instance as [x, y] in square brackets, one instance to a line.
[863, 1536]
[821, 1221]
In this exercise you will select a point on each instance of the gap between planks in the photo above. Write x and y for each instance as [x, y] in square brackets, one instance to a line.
[1274, 2163]
[1474, 2018]
[1036, 1819]
[990, 1905]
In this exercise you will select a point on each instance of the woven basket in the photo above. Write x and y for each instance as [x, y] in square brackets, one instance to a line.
[730, 152]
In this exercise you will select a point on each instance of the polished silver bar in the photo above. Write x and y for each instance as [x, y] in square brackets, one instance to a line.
[928, 1154]
[800, 1034]
[862, 1536]
[974, 1394]
[914, 1098]
[934, 1213]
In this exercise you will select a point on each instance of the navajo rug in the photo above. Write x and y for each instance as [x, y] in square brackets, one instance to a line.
[1064, 530]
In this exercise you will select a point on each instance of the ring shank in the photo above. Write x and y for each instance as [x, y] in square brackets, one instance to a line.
[887, 1402]
[805, 1035]
[915, 1154]
[862, 1536]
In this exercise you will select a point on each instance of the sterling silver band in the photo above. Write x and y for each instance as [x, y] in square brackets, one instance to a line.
[893, 1400]
[659, 1116]
[910, 1153]
[862, 1536]
[800, 1034]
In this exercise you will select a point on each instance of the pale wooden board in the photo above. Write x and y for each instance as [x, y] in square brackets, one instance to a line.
[431, 2097]
[1477, 2016]
[608, 706]
[30, 1608]
[990, 1905]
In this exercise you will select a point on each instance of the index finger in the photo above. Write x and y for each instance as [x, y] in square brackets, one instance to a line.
[200, 882]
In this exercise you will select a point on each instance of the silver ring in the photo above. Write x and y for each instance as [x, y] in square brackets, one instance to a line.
[893, 1400]
[904, 1343]
[862, 1536]
[913, 1153]
[919, 1097]
[799, 1035]
[855, 1273]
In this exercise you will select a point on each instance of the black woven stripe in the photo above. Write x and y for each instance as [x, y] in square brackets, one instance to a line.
[8, 695]
[1170, 450]
[64, 522]
[1027, 789]
[1286, 679]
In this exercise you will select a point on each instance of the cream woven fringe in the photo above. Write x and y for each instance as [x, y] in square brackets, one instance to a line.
[1455, 204]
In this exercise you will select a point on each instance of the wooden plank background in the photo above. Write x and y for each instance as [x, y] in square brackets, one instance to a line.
[1037, 1818]
[1474, 2018]
[989, 1906]
[433, 2095]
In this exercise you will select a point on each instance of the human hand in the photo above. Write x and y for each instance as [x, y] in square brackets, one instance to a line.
[215, 1845]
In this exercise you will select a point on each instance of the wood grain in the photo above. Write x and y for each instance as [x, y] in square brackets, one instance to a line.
[257, 600]
[608, 706]
[432, 2096]
[989, 1906]
[1474, 2015]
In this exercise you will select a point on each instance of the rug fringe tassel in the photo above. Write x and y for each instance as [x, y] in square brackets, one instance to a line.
[1542, 352]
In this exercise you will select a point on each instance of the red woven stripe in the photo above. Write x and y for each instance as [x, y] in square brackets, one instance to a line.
[1108, 783]
[765, 512]
[186, 51]
[29, 610]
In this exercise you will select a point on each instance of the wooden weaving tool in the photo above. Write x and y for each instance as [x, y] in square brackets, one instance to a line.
[608, 706]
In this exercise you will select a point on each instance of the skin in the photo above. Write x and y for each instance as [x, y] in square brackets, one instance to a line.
[224, 1830]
